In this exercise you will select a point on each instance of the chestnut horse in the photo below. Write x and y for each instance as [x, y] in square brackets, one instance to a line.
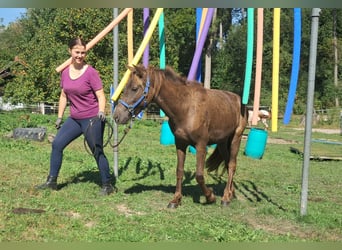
[197, 117]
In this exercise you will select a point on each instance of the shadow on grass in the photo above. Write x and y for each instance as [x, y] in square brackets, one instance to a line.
[251, 192]
[247, 188]
[141, 170]
[94, 176]
[82, 177]
[191, 190]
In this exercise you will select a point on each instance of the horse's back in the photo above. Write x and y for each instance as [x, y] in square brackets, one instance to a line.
[226, 101]
[223, 111]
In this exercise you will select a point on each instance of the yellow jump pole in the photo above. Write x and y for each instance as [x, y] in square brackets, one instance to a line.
[96, 39]
[139, 53]
[258, 67]
[275, 71]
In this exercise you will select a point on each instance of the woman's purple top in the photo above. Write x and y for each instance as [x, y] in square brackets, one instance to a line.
[81, 92]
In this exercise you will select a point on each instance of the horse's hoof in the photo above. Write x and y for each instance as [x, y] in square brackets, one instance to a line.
[212, 201]
[225, 203]
[172, 205]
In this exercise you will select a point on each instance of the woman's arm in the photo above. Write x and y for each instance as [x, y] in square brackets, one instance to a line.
[62, 104]
[101, 99]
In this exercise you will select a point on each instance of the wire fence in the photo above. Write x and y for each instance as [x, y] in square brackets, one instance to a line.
[40, 108]
[152, 112]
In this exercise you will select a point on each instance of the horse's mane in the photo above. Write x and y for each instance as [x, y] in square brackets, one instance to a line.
[169, 74]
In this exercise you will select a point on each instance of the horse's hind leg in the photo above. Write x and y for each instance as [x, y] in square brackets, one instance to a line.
[234, 150]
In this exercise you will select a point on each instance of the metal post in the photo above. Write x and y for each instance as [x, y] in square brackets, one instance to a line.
[309, 109]
[115, 84]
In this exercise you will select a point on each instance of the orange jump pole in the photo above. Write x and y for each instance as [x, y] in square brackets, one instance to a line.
[96, 39]
[258, 67]
[130, 36]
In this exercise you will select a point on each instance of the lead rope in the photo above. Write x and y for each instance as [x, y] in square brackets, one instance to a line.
[110, 133]
[126, 130]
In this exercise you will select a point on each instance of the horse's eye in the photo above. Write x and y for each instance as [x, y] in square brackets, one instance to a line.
[135, 89]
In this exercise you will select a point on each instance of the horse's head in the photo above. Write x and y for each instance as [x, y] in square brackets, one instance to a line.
[135, 95]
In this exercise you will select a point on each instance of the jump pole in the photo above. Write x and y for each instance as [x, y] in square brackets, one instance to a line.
[139, 53]
[258, 67]
[275, 69]
[249, 55]
[162, 58]
[146, 15]
[130, 36]
[166, 135]
[201, 13]
[200, 45]
[297, 23]
[146, 54]
[99, 36]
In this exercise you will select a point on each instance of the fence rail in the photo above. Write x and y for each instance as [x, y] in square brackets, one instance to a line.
[151, 113]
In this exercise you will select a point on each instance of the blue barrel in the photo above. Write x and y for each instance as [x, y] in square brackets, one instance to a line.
[193, 149]
[256, 143]
[166, 135]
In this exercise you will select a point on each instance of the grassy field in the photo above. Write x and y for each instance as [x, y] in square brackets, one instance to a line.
[266, 208]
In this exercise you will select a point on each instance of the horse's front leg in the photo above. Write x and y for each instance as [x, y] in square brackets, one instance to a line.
[177, 198]
[200, 161]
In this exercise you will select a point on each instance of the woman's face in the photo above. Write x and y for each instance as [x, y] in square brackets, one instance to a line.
[78, 53]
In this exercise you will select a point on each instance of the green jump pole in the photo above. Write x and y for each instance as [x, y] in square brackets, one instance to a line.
[249, 56]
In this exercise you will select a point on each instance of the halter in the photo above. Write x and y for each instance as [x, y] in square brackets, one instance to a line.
[132, 107]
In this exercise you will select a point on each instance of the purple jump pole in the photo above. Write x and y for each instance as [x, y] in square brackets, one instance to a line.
[199, 47]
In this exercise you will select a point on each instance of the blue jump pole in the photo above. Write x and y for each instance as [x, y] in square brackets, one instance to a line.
[295, 65]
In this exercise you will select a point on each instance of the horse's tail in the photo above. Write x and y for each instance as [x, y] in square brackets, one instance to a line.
[214, 160]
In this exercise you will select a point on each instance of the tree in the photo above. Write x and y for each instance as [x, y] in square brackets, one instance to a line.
[43, 45]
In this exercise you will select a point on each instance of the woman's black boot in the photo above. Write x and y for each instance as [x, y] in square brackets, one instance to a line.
[107, 189]
[51, 183]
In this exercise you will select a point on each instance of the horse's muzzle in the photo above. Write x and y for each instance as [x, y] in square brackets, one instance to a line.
[121, 115]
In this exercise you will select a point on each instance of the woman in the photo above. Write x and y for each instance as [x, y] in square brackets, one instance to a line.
[81, 85]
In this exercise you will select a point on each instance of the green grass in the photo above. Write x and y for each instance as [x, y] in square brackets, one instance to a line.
[266, 208]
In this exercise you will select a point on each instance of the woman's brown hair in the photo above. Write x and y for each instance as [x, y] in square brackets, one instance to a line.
[76, 41]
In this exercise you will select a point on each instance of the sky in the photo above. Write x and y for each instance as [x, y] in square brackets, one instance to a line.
[9, 15]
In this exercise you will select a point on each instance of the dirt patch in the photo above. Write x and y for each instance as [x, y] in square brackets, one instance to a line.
[276, 140]
[72, 214]
[123, 209]
[24, 210]
[282, 227]
[280, 141]
[323, 130]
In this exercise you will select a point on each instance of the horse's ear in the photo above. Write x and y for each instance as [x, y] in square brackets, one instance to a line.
[139, 71]
[131, 68]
